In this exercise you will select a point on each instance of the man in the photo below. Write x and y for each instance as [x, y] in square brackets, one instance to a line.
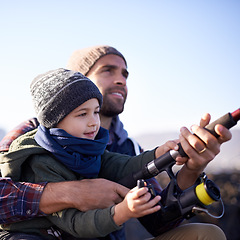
[107, 68]
[102, 67]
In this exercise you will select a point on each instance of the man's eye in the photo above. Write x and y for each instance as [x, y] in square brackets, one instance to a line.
[125, 74]
[107, 70]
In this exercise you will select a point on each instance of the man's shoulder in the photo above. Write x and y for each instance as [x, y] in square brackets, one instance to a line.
[137, 148]
[19, 130]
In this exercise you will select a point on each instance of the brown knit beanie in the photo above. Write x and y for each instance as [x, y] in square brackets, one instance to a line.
[58, 92]
[82, 60]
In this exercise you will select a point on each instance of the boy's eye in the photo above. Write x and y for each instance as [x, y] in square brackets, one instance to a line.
[82, 115]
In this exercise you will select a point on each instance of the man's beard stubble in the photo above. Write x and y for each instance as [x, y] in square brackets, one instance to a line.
[111, 109]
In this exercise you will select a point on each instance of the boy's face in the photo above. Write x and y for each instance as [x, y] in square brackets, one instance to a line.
[110, 74]
[83, 121]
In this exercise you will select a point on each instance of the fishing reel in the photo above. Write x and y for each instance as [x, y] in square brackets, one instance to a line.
[185, 204]
[177, 205]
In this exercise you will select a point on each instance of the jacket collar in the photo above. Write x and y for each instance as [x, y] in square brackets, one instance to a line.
[118, 130]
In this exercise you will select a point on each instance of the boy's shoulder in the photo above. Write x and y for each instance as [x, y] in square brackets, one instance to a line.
[24, 141]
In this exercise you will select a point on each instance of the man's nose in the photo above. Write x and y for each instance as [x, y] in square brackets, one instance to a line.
[121, 80]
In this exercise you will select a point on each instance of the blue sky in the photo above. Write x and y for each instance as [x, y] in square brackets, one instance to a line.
[183, 56]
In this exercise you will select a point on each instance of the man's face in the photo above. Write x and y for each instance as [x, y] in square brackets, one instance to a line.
[110, 75]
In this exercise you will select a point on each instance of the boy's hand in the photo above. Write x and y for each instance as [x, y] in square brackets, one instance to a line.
[136, 204]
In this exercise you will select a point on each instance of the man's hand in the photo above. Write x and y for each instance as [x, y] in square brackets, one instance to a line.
[201, 147]
[84, 195]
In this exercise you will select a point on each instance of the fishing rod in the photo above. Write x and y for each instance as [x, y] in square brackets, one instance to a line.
[167, 160]
[176, 204]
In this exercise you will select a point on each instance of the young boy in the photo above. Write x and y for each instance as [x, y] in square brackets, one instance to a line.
[70, 145]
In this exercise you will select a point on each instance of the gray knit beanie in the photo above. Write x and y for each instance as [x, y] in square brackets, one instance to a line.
[83, 60]
[58, 92]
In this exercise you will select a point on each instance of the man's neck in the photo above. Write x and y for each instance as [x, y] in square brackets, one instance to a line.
[105, 121]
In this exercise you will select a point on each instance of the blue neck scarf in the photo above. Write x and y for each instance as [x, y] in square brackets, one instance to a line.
[78, 154]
